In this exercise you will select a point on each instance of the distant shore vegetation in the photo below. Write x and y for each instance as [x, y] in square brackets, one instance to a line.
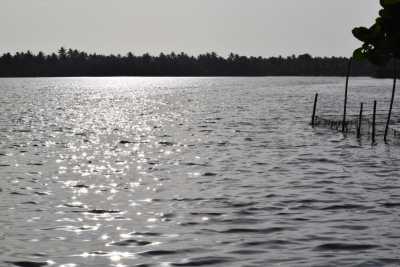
[72, 62]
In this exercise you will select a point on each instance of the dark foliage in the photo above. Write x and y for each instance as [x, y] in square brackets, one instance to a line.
[69, 62]
[381, 41]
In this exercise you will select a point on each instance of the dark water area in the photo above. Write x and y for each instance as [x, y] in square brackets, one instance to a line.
[191, 172]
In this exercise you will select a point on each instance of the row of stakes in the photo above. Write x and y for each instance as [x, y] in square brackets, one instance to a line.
[361, 106]
[359, 124]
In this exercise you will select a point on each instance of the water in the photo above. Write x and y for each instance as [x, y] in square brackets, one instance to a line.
[191, 172]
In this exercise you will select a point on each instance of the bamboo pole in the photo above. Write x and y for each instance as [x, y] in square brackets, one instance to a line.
[345, 96]
[391, 102]
[373, 124]
[314, 110]
[360, 121]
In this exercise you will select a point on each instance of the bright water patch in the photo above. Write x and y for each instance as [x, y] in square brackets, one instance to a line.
[191, 172]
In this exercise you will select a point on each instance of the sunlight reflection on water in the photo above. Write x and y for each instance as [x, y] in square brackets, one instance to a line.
[190, 172]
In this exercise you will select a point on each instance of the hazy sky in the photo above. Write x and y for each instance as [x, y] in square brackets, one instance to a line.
[247, 27]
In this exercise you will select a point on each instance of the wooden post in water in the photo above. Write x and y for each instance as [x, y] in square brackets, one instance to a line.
[345, 96]
[391, 101]
[360, 121]
[373, 124]
[314, 110]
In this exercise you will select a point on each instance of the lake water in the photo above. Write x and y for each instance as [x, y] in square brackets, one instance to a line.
[192, 172]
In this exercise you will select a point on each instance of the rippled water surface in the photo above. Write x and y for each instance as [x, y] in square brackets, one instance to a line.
[191, 172]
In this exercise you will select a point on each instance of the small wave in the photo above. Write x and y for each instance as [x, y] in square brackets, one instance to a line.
[257, 209]
[124, 142]
[391, 204]
[165, 143]
[204, 261]
[319, 160]
[352, 227]
[266, 242]
[242, 204]
[247, 252]
[240, 221]
[209, 174]
[42, 193]
[160, 252]
[195, 164]
[74, 205]
[188, 223]
[269, 230]
[97, 211]
[187, 199]
[345, 246]
[130, 242]
[81, 186]
[70, 228]
[5, 165]
[346, 207]
[35, 164]
[310, 201]
[207, 213]
[146, 234]
[29, 202]
[27, 263]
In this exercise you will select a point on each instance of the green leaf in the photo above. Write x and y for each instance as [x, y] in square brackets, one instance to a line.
[358, 54]
[361, 33]
[386, 3]
[382, 40]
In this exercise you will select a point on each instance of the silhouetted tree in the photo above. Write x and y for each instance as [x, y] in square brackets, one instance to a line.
[72, 62]
[381, 41]
[62, 53]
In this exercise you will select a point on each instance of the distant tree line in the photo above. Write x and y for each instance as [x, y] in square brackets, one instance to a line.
[71, 62]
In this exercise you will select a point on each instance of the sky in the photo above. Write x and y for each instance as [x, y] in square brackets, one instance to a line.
[246, 27]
